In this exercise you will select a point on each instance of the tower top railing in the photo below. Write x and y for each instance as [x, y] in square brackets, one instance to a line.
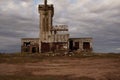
[60, 28]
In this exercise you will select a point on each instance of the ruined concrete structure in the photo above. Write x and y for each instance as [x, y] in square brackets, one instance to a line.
[53, 38]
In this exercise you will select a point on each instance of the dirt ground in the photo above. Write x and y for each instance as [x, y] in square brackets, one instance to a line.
[95, 68]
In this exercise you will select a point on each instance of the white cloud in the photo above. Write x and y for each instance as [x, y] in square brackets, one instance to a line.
[117, 49]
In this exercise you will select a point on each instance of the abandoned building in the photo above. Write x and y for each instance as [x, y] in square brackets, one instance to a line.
[53, 38]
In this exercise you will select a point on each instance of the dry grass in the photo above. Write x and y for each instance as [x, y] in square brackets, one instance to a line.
[62, 67]
[47, 77]
[27, 57]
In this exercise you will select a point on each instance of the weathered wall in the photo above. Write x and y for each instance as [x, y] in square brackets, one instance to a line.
[30, 45]
[82, 44]
[46, 19]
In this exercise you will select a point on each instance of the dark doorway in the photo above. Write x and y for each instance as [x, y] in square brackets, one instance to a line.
[34, 50]
[76, 45]
[26, 49]
[45, 47]
[71, 44]
[86, 45]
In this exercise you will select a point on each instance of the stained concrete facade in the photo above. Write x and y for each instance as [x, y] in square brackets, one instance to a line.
[81, 44]
[30, 45]
[53, 38]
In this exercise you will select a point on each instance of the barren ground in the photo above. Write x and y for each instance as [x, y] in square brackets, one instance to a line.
[64, 68]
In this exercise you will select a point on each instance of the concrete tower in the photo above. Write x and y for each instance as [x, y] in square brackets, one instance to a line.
[46, 20]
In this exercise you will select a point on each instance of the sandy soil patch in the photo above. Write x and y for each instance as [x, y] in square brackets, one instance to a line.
[99, 69]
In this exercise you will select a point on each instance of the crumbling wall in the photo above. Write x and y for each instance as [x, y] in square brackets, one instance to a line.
[81, 44]
[30, 45]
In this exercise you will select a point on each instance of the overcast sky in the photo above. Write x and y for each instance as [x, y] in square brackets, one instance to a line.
[99, 19]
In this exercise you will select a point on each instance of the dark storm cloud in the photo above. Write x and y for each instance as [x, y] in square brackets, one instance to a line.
[99, 19]
[17, 20]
